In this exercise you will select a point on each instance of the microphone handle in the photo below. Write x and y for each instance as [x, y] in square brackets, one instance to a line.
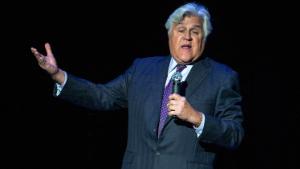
[176, 86]
[176, 89]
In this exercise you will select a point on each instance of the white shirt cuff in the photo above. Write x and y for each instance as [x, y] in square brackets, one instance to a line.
[59, 87]
[199, 129]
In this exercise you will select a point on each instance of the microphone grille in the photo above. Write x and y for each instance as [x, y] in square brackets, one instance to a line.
[177, 76]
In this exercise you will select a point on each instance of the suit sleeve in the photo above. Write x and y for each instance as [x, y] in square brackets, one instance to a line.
[110, 96]
[224, 127]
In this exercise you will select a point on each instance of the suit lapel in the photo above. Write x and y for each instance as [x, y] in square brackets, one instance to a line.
[196, 76]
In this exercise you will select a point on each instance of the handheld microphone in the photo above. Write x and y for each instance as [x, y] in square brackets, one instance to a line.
[176, 79]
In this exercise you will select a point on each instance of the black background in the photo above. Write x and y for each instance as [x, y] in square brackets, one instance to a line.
[99, 40]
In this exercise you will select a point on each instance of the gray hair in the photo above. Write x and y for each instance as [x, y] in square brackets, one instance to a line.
[190, 9]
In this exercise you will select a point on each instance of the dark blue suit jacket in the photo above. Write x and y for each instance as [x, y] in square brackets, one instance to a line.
[211, 88]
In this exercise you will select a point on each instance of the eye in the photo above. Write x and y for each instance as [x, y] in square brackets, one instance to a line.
[195, 32]
[181, 30]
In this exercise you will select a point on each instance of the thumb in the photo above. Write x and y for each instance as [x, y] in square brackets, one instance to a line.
[48, 49]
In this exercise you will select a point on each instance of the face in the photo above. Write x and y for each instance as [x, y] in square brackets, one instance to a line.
[186, 40]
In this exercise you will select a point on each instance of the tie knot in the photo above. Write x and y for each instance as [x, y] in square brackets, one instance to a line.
[179, 68]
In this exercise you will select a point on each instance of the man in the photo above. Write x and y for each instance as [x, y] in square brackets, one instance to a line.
[203, 117]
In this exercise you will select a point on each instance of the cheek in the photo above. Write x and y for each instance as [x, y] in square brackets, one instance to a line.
[197, 44]
[175, 40]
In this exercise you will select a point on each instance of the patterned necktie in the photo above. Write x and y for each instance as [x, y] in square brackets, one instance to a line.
[167, 92]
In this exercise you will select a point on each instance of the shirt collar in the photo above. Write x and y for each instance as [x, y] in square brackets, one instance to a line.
[172, 65]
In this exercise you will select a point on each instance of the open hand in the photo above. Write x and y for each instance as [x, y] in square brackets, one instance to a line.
[46, 62]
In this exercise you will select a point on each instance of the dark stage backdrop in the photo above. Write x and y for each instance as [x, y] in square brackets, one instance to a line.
[98, 41]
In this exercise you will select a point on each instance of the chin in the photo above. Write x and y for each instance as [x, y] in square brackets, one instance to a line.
[186, 59]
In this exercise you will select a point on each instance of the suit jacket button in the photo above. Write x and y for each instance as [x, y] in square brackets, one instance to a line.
[157, 153]
[154, 130]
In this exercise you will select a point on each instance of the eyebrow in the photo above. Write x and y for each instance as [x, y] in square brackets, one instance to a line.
[197, 26]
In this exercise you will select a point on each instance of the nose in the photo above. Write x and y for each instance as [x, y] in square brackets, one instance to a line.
[187, 36]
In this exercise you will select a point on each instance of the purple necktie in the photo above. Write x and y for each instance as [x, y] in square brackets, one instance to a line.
[164, 107]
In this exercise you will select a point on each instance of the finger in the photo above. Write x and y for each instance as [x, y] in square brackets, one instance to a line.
[171, 107]
[174, 96]
[48, 49]
[172, 113]
[33, 50]
[37, 55]
[172, 102]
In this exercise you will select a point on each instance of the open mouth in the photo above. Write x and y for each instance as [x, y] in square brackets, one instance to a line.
[186, 46]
